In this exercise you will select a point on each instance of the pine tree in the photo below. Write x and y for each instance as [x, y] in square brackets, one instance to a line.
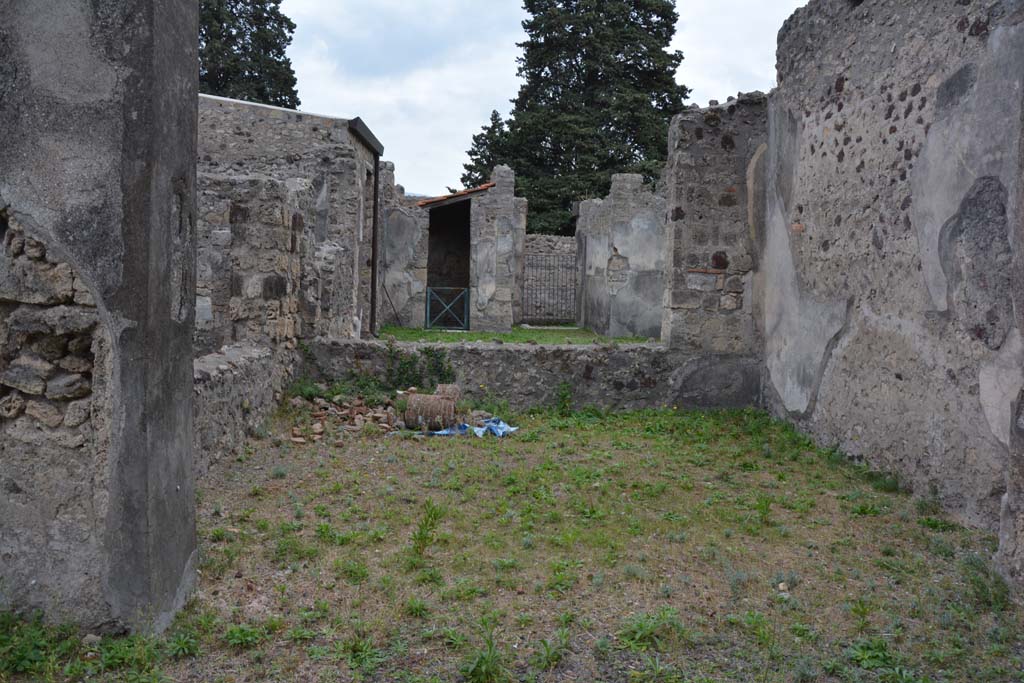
[486, 153]
[598, 94]
[242, 46]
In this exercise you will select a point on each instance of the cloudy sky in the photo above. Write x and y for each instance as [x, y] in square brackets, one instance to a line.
[426, 74]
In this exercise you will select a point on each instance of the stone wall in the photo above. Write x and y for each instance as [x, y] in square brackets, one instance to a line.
[713, 210]
[548, 277]
[236, 391]
[55, 413]
[497, 238]
[403, 254]
[286, 218]
[253, 246]
[497, 226]
[612, 376]
[97, 284]
[892, 281]
[549, 245]
[621, 245]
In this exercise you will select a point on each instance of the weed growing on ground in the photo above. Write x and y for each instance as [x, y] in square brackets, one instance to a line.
[381, 558]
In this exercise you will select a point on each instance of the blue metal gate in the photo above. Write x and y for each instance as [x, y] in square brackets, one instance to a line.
[447, 308]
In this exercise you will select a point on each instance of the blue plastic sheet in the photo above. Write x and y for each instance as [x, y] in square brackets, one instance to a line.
[495, 426]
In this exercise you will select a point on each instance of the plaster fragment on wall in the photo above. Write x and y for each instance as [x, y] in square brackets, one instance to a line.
[1001, 380]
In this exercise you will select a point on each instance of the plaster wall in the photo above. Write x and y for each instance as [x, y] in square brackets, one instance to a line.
[97, 285]
[892, 290]
[621, 245]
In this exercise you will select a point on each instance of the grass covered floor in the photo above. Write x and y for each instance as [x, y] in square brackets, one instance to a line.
[649, 546]
[519, 335]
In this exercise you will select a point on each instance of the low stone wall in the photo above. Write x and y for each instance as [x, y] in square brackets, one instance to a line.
[611, 376]
[236, 391]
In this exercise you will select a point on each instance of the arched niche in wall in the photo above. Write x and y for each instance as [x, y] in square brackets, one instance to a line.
[55, 430]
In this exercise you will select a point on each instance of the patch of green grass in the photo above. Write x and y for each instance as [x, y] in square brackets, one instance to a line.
[988, 589]
[353, 571]
[519, 335]
[649, 631]
[244, 636]
[486, 664]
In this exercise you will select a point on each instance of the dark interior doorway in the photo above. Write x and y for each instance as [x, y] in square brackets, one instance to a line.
[448, 266]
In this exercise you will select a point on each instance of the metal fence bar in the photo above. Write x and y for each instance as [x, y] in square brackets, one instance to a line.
[549, 288]
[443, 308]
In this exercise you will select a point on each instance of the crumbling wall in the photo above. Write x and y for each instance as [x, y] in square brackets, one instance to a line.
[403, 254]
[237, 389]
[549, 245]
[497, 224]
[55, 412]
[252, 247]
[97, 284]
[623, 377]
[271, 171]
[714, 199]
[892, 288]
[621, 244]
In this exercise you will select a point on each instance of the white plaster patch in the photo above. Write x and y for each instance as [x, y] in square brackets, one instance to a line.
[1001, 381]
[798, 328]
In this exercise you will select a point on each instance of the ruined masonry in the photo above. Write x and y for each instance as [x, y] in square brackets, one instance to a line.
[845, 251]
[97, 286]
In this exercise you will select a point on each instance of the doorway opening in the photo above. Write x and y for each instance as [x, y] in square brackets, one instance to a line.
[448, 267]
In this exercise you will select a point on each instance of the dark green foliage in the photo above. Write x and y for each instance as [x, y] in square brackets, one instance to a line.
[424, 369]
[598, 94]
[488, 150]
[242, 46]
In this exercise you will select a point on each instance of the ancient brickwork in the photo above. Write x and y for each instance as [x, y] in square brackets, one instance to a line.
[274, 174]
[891, 259]
[97, 284]
[622, 259]
[713, 210]
[251, 255]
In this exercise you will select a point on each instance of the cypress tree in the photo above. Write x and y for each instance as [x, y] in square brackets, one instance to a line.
[598, 94]
[242, 51]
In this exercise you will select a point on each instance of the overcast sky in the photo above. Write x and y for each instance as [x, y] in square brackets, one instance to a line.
[425, 74]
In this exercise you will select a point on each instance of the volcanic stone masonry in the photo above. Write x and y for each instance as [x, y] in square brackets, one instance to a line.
[497, 238]
[846, 252]
[893, 296]
[713, 214]
[285, 225]
[97, 224]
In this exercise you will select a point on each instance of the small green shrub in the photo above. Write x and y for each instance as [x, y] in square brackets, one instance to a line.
[647, 631]
[244, 636]
[487, 664]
